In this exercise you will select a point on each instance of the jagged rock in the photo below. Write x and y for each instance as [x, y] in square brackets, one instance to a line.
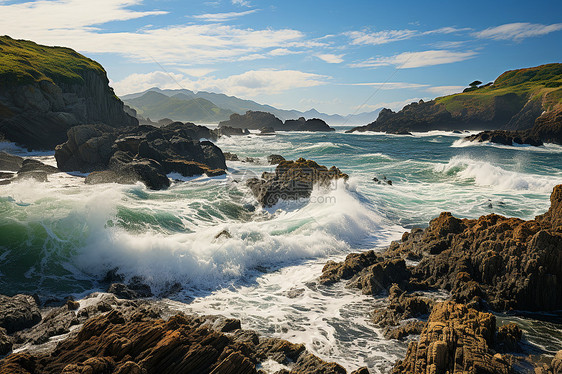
[293, 180]
[314, 124]
[266, 130]
[60, 90]
[275, 159]
[508, 338]
[557, 363]
[231, 131]
[401, 306]
[505, 138]
[5, 342]
[123, 291]
[456, 339]
[405, 329]
[134, 340]
[231, 156]
[18, 312]
[56, 322]
[9, 162]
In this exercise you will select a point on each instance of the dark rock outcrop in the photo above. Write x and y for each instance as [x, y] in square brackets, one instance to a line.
[292, 180]
[131, 338]
[230, 131]
[255, 120]
[20, 168]
[547, 129]
[143, 153]
[18, 312]
[275, 159]
[491, 262]
[37, 108]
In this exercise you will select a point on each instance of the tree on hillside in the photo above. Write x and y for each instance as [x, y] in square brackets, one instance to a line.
[475, 83]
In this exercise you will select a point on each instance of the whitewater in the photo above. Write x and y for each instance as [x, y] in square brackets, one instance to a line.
[205, 246]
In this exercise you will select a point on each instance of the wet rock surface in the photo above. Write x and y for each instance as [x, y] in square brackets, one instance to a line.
[293, 180]
[456, 339]
[18, 312]
[17, 168]
[127, 336]
[491, 263]
[143, 153]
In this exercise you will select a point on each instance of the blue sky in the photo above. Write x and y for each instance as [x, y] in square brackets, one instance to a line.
[337, 57]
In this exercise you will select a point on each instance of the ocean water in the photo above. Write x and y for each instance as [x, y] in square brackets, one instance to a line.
[60, 238]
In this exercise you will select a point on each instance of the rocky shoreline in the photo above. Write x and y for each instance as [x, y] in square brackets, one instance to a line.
[104, 334]
[490, 264]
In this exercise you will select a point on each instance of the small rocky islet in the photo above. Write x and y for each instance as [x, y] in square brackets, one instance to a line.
[488, 265]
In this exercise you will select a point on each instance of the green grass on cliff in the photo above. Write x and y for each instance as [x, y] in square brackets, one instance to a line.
[538, 83]
[23, 61]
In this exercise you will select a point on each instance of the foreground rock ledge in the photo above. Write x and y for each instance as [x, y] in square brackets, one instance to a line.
[131, 337]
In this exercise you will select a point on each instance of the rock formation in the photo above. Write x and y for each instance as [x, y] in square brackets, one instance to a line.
[456, 339]
[122, 336]
[17, 168]
[293, 180]
[495, 262]
[547, 129]
[142, 153]
[41, 98]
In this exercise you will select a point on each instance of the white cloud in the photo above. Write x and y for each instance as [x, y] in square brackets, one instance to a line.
[241, 2]
[445, 90]
[282, 52]
[394, 105]
[408, 60]
[380, 37]
[74, 23]
[446, 30]
[252, 83]
[331, 58]
[196, 72]
[388, 36]
[223, 17]
[390, 85]
[517, 31]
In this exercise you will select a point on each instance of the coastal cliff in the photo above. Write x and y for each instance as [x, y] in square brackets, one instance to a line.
[512, 102]
[44, 91]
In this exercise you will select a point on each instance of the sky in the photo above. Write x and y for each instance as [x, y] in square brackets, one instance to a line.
[342, 57]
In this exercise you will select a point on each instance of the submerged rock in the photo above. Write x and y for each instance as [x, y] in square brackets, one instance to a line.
[293, 180]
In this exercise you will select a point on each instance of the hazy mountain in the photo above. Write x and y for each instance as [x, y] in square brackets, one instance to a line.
[179, 107]
[226, 103]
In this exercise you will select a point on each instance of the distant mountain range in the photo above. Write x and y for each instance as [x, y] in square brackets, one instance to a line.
[209, 107]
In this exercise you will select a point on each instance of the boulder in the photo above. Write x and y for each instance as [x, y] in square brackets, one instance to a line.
[9, 162]
[18, 312]
[275, 159]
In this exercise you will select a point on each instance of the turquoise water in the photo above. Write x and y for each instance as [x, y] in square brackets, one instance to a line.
[61, 237]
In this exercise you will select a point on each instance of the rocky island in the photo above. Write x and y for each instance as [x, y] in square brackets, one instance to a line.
[254, 120]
